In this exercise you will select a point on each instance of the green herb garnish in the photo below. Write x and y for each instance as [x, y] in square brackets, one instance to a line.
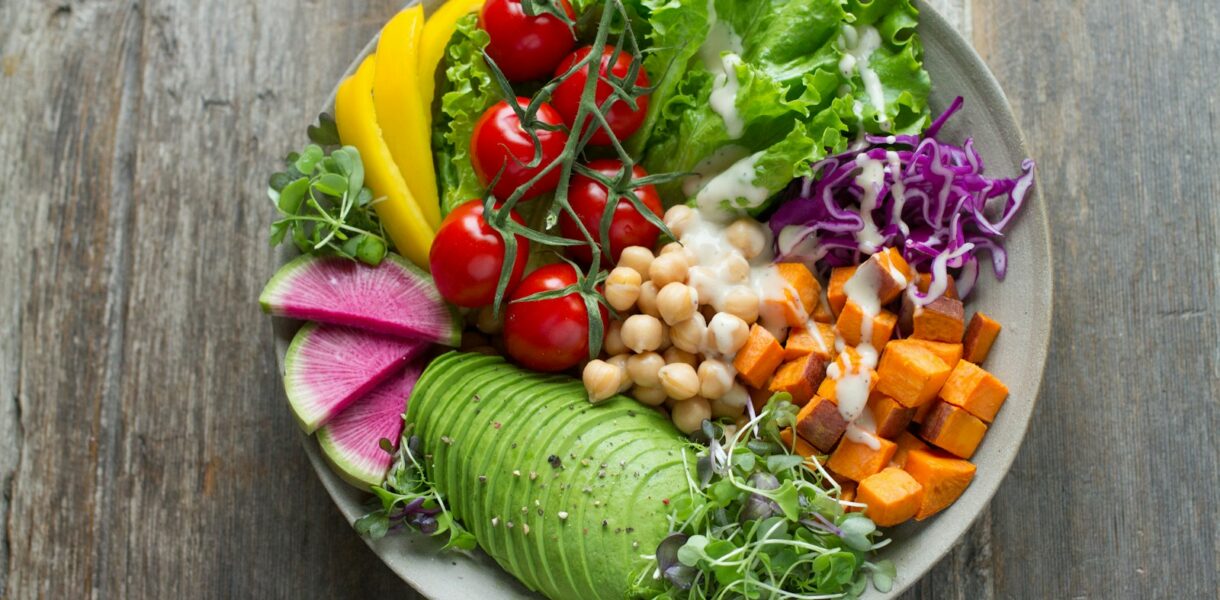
[325, 208]
[762, 522]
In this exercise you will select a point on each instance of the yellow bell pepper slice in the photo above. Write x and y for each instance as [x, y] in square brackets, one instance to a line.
[356, 118]
[401, 112]
[438, 30]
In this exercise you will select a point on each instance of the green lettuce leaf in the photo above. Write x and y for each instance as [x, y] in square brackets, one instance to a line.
[898, 63]
[469, 91]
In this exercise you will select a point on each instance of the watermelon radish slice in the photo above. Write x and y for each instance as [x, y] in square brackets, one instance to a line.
[351, 442]
[327, 368]
[395, 298]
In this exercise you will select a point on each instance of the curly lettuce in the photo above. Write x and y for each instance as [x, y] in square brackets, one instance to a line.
[790, 81]
[469, 90]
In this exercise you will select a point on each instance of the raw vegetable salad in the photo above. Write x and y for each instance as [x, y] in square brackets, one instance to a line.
[645, 298]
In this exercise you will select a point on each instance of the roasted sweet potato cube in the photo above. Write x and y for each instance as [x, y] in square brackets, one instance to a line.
[953, 429]
[923, 281]
[942, 476]
[921, 413]
[759, 397]
[893, 273]
[848, 364]
[821, 424]
[950, 353]
[835, 294]
[797, 445]
[759, 358]
[890, 417]
[856, 460]
[803, 283]
[821, 311]
[800, 378]
[851, 326]
[819, 341]
[908, 442]
[980, 335]
[910, 374]
[974, 389]
[943, 320]
[892, 496]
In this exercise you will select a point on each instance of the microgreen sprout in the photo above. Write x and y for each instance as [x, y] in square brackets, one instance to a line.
[760, 521]
[325, 208]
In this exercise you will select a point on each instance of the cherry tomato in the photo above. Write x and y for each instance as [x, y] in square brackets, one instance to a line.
[524, 47]
[628, 227]
[499, 141]
[548, 335]
[468, 254]
[623, 121]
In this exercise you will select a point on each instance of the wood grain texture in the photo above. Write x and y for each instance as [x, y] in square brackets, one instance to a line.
[145, 451]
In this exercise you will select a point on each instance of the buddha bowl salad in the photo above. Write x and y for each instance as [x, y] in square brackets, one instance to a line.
[691, 328]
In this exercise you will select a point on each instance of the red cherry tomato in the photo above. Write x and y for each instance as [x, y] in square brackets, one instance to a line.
[499, 141]
[467, 256]
[548, 335]
[628, 227]
[524, 47]
[566, 98]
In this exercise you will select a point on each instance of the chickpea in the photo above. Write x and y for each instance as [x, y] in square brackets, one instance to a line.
[703, 280]
[666, 342]
[679, 380]
[652, 396]
[620, 361]
[748, 237]
[741, 302]
[727, 333]
[623, 288]
[642, 333]
[614, 339]
[737, 396]
[722, 409]
[690, 335]
[602, 380]
[689, 415]
[677, 247]
[644, 369]
[678, 218]
[648, 299]
[668, 268]
[676, 355]
[677, 302]
[489, 322]
[736, 269]
[638, 258]
[715, 379]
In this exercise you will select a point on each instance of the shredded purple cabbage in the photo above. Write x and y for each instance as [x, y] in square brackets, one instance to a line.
[939, 210]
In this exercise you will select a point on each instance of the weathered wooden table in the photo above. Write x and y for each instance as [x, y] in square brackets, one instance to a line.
[145, 450]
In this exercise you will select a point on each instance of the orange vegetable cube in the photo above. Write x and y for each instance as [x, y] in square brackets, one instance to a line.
[980, 335]
[759, 397]
[800, 378]
[851, 325]
[890, 417]
[907, 443]
[924, 280]
[821, 424]
[943, 478]
[921, 413]
[953, 429]
[910, 374]
[856, 461]
[759, 358]
[819, 341]
[835, 294]
[950, 353]
[821, 311]
[894, 274]
[797, 445]
[892, 497]
[829, 384]
[974, 389]
[941, 321]
[803, 283]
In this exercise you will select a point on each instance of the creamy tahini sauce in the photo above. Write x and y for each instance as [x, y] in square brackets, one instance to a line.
[735, 186]
[858, 46]
[721, 54]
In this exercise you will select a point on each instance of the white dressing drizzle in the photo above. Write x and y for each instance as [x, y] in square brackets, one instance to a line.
[858, 46]
[721, 53]
[898, 189]
[723, 158]
[735, 186]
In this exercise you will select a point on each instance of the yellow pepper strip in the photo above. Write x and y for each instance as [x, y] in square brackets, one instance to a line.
[438, 31]
[399, 213]
[401, 112]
